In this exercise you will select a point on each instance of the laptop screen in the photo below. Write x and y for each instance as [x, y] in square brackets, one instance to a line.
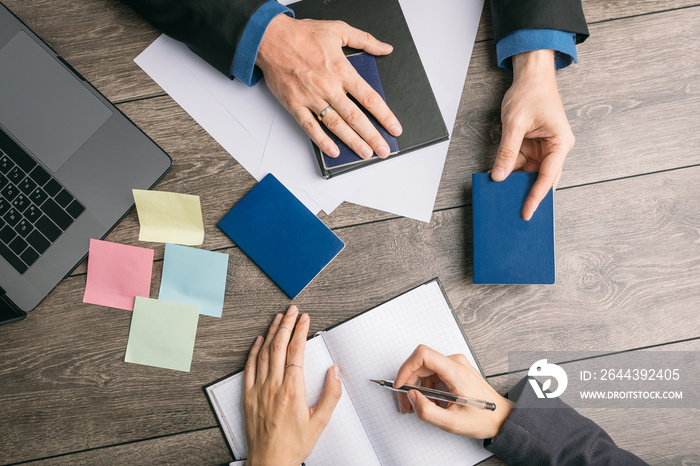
[44, 105]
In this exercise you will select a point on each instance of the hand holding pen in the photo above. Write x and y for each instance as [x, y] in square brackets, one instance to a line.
[437, 395]
[456, 372]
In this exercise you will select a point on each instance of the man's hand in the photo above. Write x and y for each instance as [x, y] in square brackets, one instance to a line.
[305, 68]
[536, 132]
[427, 366]
[280, 427]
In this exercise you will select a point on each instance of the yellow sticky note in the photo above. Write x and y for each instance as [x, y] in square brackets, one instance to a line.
[169, 217]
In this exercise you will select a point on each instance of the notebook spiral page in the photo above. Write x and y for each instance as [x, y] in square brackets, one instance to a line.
[373, 346]
[343, 442]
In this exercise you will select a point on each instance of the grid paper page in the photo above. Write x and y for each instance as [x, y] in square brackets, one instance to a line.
[373, 346]
[343, 442]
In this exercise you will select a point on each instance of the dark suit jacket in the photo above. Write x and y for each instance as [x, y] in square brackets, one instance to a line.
[563, 15]
[210, 28]
[213, 28]
[551, 435]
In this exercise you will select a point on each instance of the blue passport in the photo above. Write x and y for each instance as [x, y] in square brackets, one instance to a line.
[284, 238]
[366, 66]
[507, 249]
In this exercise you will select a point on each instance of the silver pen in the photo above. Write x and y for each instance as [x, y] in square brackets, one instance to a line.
[437, 395]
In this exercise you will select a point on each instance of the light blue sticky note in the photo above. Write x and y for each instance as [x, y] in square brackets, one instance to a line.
[194, 276]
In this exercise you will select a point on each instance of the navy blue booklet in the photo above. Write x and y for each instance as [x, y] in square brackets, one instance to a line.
[366, 66]
[508, 249]
[284, 238]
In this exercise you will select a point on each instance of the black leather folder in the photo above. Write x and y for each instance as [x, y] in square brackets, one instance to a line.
[405, 84]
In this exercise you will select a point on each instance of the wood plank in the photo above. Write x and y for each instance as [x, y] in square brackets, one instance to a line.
[627, 258]
[625, 426]
[605, 117]
[100, 38]
[201, 447]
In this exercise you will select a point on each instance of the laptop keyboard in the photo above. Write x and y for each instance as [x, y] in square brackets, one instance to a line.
[35, 209]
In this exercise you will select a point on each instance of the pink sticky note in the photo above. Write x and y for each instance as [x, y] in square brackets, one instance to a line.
[117, 273]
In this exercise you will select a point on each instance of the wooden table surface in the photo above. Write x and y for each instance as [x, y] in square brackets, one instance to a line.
[627, 242]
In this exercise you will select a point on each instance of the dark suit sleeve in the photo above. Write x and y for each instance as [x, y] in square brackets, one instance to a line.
[563, 15]
[551, 435]
[210, 28]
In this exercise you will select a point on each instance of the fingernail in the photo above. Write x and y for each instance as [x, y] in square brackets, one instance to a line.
[383, 151]
[258, 341]
[387, 47]
[367, 152]
[334, 152]
[292, 310]
[304, 317]
[396, 130]
[336, 372]
[498, 174]
[412, 398]
[278, 319]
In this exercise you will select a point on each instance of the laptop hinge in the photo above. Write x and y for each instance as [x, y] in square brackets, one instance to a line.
[9, 312]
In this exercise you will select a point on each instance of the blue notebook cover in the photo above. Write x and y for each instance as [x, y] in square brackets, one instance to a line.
[366, 66]
[287, 241]
[507, 249]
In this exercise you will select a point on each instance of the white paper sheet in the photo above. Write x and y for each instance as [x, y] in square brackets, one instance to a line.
[259, 133]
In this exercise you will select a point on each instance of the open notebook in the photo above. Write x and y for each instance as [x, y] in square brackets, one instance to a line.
[366, 427]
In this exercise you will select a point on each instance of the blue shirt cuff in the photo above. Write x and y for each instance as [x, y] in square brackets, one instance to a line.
[527, 40]
[244, 68]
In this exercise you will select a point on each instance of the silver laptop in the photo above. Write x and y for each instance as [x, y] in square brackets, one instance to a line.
[68, 162]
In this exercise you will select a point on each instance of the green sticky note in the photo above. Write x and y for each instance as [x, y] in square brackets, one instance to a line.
[162, 334]
[169, 217]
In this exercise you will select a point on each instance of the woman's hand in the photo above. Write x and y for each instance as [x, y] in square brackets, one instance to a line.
[280, 427]
[430, 367]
